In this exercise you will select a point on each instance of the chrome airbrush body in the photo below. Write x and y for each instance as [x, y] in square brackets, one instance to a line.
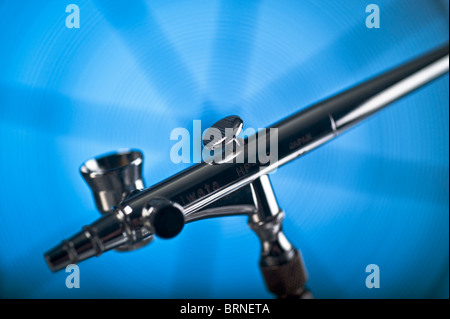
[132, 214]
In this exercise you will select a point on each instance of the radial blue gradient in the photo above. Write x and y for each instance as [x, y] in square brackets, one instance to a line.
[136, 70]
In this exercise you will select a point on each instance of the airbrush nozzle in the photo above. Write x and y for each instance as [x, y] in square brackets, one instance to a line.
[106, 233]
[122, 227]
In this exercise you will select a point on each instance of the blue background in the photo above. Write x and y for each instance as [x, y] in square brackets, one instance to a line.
[136, 70]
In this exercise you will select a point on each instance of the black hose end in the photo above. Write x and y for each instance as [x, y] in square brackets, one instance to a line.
[287, 280]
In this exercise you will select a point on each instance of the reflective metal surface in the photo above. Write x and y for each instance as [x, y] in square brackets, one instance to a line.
[204, 190]
[113, 176]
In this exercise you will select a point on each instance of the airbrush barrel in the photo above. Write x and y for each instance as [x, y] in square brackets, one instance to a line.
[200, 185]
[204, 183]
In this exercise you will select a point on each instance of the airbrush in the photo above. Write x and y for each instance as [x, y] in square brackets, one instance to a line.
[234, 182]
